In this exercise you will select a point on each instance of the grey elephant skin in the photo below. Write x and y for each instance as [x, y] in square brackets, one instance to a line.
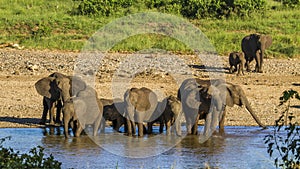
[112, 111]
[171, 112]
[140, 103]
[82, 110]
[237, 62]
[208, 99]
[254, 47]
[57, 88]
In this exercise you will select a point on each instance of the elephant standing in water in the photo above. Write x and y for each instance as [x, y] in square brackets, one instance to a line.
[171, 115]
[55, 89]
[208, 99]
[254, 46]
[111, 113]
[82, 110]
[140, 103]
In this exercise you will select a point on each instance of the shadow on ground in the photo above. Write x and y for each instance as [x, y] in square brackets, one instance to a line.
[24, 121]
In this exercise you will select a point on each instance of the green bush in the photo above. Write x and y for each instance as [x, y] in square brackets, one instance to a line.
[290, 3]
[34, 159]
[221, 8]
[285, 140]
[102, 8]
[193, 9]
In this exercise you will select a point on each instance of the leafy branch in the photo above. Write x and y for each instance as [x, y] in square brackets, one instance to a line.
[285, 139]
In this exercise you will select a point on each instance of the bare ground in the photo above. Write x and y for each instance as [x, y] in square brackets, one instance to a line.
[21, 106]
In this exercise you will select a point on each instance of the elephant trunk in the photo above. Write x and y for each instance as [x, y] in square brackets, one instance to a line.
[249, 108]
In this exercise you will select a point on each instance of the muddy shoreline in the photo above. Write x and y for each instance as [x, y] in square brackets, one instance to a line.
[21, 106]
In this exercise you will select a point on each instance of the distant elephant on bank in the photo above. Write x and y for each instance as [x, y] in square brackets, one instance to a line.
[200, 97]
[57, 88]
[171, 115]
[237, 62]
[254, 47]
[82, 110]
[140, 103]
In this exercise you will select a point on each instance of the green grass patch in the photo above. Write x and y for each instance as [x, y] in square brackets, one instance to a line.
[50, 24]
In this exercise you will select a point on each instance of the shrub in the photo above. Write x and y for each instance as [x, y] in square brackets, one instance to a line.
[290, 3]
[193, 9]
[285, 140]
[35, 158]
[100, 7]
[221, 8]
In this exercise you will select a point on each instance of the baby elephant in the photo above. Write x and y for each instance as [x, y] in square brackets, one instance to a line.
[111, 113]
[171, 112]
[237, 60]
[81, 111]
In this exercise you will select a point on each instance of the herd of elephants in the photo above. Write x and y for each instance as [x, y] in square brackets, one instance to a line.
[196, 99]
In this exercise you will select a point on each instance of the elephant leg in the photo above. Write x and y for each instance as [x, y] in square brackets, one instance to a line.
[168, 125]
[222, 122]
[161, 126]
[195, 125]
[150, 124]
[102, 125]
[58, 112]
[207, 126]
[189, 122]
[129, 127]
[79, 128]
[97, 125]
[178, 125]
[46, 105]
[66, 125]
[261, 62]
[52, 107]
[258, 60]
[140, 129]
[231, 69]
[240, 69]
[133, 128]
[248, 60]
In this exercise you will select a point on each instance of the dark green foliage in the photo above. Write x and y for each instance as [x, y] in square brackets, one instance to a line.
[102, 7]
[187, 8]
[284, 143]
[290, 3]
[221, 8]
[34, 159]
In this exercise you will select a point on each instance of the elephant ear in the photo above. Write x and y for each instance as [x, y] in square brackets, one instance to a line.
[267, 41]
[46, 88]
[193, 99]
[232, 95]
[77, 85]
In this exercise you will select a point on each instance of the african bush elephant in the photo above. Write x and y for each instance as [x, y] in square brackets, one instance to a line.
[140, 103]
[111, 113]
[82, 110]
[171, 112]
[57, 88]
[237, 62]
[254, 46]
[208, 99]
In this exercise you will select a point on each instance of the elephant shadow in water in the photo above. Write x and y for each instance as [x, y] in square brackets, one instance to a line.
[23, 121]
[53, 130]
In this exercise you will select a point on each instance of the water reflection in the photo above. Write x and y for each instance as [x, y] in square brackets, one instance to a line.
[241, 147]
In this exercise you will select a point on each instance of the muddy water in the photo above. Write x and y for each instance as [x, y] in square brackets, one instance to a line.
[240, 147]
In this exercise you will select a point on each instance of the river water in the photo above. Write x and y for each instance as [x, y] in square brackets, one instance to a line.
[240, 147]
